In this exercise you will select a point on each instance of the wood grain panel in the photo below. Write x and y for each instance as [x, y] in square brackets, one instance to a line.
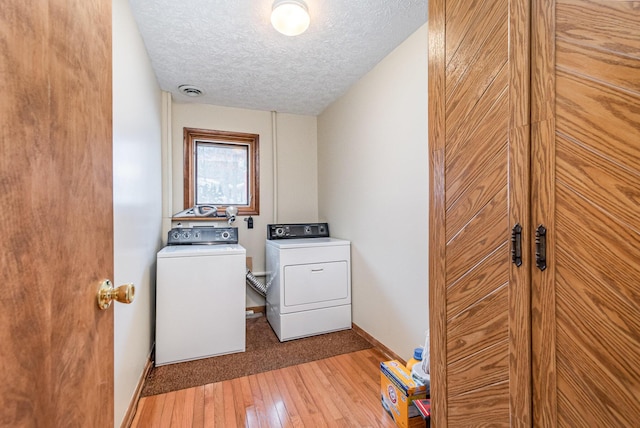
[610, 250]
[519, 324]
[589, 284]
[459, 134]
[474, 173]
[458, 14]
[484, 234]
[55, 61]
[606, 329]
[606, 25]
[486, 140]
[486, 368]
[491, 180]
[601, 117]
[476, 158]
[437, 241]
[543, 301]
[80, 180]
[605, 184]
[598, 315]
[487, 407]
[617, 70]
[481, 326]
[587, 198]
[478, 283]
[471, 110]
[519, 69]
[519, 178]
[492, 15]
[25, 118]
[478, 77]
[579, 397]
[542, 61]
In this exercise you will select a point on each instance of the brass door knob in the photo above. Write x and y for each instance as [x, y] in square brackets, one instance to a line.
[107, 294]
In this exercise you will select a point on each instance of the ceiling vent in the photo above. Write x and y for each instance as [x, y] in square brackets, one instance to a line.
[190, 90]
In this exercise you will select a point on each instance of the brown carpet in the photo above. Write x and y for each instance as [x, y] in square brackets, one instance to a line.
[264, 352]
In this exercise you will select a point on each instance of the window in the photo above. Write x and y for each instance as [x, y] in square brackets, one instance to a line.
[221, 169]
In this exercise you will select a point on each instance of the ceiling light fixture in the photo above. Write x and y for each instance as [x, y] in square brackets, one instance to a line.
[290, 17]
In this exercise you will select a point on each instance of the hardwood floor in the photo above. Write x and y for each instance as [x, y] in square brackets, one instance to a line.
[337, 391]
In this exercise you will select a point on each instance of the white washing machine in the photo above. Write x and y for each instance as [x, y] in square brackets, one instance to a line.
[309, 279]
[200, 298]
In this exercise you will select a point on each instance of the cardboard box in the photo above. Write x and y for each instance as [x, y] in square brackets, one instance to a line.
[398, 390]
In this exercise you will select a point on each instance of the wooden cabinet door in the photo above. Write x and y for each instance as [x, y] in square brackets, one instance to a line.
[586, 191]
[479, 151]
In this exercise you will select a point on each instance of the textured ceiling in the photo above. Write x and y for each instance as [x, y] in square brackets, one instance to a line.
[229, 49]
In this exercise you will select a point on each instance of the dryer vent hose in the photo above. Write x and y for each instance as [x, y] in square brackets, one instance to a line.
[255, 283]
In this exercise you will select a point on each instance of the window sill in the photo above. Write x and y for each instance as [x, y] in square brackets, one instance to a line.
[207, 219]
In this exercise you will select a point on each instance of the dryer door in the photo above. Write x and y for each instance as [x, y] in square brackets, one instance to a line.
[316, 285]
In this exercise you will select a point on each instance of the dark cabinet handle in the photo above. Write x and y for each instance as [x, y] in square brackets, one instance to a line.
[541, 247]
[516, 245]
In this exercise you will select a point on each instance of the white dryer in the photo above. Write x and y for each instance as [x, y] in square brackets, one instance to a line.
[309, 286]
[200, 296]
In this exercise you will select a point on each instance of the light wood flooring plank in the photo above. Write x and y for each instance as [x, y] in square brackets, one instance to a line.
[198, 407]
[341, 391]
[270, 408]
[209, 404]
[229, 405]
[287, 414]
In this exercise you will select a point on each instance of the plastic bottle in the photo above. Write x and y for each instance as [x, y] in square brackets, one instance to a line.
[417, 357]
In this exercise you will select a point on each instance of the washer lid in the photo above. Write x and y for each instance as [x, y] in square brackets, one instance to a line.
[201, 250]
[307, 242]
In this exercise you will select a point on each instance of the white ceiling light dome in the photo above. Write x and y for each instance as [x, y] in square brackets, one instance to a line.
[290, 17]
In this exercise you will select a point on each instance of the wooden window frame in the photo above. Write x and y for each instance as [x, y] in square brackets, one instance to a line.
[252, 141]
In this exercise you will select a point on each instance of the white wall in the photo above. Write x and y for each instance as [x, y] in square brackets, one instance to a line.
[373, 190]
[137, 198]
[297, 169]
[296, 154]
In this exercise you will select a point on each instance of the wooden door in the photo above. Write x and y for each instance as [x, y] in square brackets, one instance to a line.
[479, 136]
[586, 191]
[56, 215]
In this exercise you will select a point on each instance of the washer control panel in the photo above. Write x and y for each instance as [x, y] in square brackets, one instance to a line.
[202, 235]
[299, 230]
